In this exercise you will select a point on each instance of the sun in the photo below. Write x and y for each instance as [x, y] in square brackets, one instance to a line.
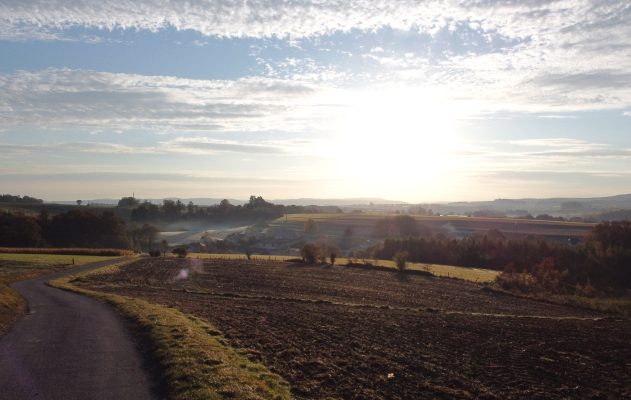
[394, 138]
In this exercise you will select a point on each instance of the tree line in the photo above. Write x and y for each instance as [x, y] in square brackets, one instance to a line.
[75, 228]
[9, 198]
[602, 261]
[256, 209]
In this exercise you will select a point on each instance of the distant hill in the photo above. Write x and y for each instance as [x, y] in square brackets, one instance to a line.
[559, 206]
[348, 202]
[208, 201]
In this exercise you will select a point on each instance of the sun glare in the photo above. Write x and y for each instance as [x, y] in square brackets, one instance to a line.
[396, 137]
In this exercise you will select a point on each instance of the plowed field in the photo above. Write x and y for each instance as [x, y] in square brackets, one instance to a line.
[340, 332]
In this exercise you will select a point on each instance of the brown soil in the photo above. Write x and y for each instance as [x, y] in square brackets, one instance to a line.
[337, 332]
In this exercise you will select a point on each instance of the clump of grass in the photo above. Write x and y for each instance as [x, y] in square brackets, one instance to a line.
[196, 361]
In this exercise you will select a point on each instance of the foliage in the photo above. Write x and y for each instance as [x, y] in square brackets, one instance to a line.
[180, 251]
[602, 263]
[7, 198]
[82, 228]
[76, 228]
[19, 230]
[400, 259]
[144, 236]
[256, 209]
[310, 253]
[128, 202]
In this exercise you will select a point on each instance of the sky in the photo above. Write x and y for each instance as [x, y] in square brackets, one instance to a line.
[410, 100]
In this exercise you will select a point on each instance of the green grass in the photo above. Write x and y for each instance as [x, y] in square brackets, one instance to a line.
[195, 358]
[19, 267]
[469, 274]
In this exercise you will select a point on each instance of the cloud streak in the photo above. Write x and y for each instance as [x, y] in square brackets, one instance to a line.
[56, 98]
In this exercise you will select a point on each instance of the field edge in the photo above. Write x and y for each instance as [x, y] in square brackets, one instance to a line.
[196, 361]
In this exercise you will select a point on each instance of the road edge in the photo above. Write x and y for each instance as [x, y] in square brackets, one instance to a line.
[195, 360]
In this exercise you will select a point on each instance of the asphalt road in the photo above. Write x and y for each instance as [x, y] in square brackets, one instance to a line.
[70, 346]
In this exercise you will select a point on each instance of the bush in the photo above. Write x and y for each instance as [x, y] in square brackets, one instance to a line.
[154, 253]
[310, 253]
[180, 252]
[400, 260]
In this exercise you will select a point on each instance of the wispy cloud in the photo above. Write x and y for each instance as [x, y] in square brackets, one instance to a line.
[571, 148]
[61, 98]
[182, 145]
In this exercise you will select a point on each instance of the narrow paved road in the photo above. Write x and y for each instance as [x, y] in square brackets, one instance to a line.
[68, 347]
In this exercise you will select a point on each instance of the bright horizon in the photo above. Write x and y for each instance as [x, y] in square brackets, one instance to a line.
[414, 102]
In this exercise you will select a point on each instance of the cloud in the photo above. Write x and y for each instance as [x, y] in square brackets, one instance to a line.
[55, 98]
[532, 56]
[183, 145]
[571, 148]
[78, 147]
[206, 146]
[134, 176]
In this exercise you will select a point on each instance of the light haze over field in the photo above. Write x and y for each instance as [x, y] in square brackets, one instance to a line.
[409, 100]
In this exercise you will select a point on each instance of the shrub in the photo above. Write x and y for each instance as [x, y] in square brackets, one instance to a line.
[180, 252]
[309, 253]
[400, 260]
[333, 256]
[154, 253]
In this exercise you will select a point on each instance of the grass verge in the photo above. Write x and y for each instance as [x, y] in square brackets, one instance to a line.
[196, 360]
[12, 305]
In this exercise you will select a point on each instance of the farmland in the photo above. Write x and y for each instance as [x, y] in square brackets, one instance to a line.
[470, 274]
[363, 224]
[342, 332]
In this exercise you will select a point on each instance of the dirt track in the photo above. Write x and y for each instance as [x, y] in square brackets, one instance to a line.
[351, 333]
[70, 347]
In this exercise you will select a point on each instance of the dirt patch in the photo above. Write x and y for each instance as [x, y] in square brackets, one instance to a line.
[336, 332]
